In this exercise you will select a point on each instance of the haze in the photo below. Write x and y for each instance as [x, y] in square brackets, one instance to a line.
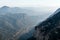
[30, 3]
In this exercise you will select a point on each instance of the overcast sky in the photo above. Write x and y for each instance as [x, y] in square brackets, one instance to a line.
[30, 3]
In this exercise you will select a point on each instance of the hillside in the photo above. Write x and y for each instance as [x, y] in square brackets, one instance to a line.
[14, 24]
[48, 29]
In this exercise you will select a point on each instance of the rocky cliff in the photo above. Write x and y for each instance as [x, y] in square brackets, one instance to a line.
[49, 29]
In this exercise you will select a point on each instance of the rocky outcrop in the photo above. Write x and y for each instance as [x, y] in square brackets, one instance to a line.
[49, 29]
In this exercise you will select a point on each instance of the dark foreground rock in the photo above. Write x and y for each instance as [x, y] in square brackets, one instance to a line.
[49, 29]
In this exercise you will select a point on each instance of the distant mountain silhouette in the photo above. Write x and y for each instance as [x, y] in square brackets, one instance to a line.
[6, 9]
[14, 23]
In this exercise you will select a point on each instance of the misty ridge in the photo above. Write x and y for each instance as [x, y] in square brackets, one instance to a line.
[18, 23]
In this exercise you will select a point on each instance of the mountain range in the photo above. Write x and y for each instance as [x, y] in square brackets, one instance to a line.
[14, 22]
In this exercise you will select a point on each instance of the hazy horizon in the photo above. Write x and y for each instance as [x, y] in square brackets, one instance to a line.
[35, 10]
[40, 6]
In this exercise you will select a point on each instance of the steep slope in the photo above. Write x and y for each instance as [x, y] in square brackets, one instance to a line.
[49, 29]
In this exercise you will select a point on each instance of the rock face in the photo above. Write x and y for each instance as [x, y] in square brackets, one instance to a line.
[49, 29]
